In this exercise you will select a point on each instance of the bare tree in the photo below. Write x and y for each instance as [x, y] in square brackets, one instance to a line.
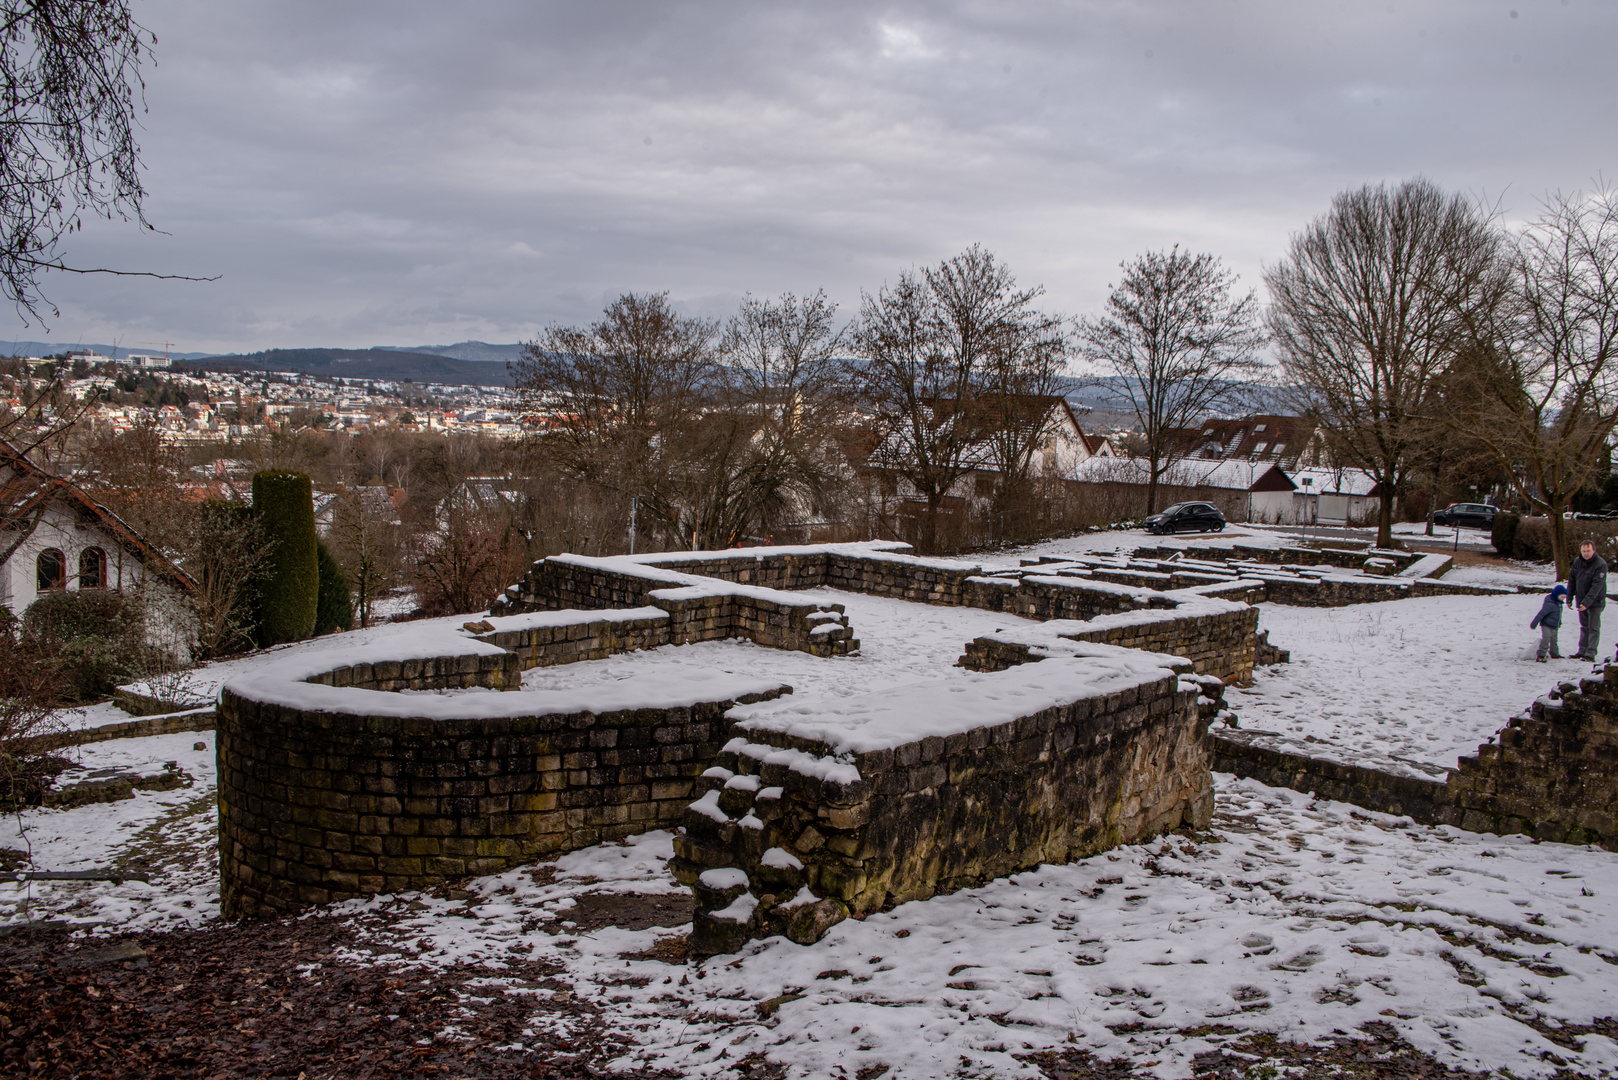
[229, 558]
[367, 542]
[1543, 371]
[1373, 300]
[468, 561]
[1179, 346]
[71, 93]
[31, 693]
[33, 464]
[927, 346]
[614, 398]
[136, 474]
[782, 390]
[1020, 394]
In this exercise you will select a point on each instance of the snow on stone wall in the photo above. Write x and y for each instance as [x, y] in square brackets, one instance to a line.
[807, 821]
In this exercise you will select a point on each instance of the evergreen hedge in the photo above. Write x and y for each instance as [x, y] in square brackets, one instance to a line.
[334, 609]
[1503, 535]
[289, 597]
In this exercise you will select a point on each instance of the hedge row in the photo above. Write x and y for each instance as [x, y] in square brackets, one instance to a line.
[1529, 538]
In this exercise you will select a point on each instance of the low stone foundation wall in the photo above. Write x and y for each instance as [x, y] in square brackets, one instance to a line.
[489, 670]
[1282, 762]
[570, 639]
[697, 609]
[334, 784]
[1221, 642]
[1552, 771]
[335, 798]
[797, 832]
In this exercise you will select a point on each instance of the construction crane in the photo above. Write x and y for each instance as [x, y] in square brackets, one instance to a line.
[167, 345]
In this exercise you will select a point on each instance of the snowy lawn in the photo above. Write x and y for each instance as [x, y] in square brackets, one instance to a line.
[173, 834]
[1290, 916]
[1107, 541]
[1426, 680]
[900, 642]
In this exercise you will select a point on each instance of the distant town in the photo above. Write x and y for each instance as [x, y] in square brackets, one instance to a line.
[193, 407]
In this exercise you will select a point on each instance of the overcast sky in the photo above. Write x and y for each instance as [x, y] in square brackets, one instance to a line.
[406, 174]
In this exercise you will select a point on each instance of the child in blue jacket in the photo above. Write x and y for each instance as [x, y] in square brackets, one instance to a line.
[1549, 621]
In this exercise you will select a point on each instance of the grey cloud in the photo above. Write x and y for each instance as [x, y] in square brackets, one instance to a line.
[396, 173]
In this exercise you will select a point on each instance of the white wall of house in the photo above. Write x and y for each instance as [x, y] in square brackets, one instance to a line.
[1272, 508]
[64, 531]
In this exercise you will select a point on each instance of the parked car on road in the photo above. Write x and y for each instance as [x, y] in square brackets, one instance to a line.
[1187, 517]
[1476, 515]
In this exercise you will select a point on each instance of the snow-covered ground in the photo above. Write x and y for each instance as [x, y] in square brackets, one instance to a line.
[171, 833]
[1417, 530]
[1107, 541]
[1425, 679]
[900, 642]
[1290, 915]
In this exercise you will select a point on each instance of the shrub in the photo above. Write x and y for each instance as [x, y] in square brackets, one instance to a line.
[230, 558]
[1533, 539]
[334, 608]
[95, 639]
[284, 503]
[1504, 533]
[30, 692]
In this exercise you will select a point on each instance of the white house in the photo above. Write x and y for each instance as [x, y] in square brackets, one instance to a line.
[1243, 490]
[1334, 497]
[59, 538]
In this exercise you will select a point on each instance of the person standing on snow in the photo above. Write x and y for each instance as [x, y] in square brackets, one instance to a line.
[1587, 591]
[1549, 621]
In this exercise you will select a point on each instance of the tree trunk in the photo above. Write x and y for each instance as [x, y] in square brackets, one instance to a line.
[1384, 519]
[929, 525]
[1558, 523]
[1151, 486]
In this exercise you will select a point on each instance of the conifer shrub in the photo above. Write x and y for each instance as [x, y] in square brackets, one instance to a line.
[334, 609]
[289, 597]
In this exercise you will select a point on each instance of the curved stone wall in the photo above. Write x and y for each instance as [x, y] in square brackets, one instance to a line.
[330, 789]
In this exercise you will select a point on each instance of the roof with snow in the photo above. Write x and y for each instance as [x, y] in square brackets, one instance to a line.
[1188, 472]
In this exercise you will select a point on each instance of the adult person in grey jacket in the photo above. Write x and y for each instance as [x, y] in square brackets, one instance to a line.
[1587, 591]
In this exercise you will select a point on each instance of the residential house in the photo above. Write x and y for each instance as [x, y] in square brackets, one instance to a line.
[60, 538]
[1288, 441]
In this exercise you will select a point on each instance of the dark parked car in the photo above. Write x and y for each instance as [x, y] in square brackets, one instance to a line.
[1187, 517]
[1477, 515]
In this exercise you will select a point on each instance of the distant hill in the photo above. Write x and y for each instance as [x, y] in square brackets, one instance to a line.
[380, 363]
[1109, 393]
[465, 350]
[51, 348]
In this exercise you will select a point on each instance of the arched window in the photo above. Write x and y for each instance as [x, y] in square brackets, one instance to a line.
[92, 568]
[52, 570]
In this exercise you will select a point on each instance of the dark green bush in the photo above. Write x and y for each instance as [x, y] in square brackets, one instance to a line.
[334, 609]
[1504, 533]
[1587, 501]
[284, 504]
[1532, 539]
[95, 638]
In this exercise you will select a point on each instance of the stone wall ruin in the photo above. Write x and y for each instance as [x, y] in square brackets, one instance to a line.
[368, 770]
